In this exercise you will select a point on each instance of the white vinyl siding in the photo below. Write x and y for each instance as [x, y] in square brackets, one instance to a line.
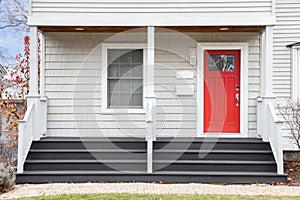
[154, 12]
[286, 31]
[73, 84]
[151, 6]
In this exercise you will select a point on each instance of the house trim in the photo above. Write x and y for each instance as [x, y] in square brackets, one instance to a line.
[104, 48]
[152, 19]
[243, 47]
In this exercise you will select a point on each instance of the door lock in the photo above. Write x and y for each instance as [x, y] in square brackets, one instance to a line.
[237, 98]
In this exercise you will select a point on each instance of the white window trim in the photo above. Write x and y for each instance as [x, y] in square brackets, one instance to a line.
[105, 47]
[243, 47]
[295, 73]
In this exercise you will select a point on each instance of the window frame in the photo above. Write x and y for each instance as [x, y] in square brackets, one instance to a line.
[104, 81]
[295, 83]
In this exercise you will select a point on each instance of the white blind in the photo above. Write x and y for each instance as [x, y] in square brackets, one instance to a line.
[125, 78]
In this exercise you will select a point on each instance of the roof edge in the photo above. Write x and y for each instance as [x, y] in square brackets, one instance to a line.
[296, 44]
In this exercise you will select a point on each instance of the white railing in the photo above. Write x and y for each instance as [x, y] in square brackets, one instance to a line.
[274, 126]
[26, 131]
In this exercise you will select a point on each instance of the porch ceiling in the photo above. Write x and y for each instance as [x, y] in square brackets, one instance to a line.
[116, 29]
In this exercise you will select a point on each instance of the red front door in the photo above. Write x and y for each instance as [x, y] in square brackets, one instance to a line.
[222, 91]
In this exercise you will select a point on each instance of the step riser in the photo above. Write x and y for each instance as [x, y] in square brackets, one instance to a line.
[210, 146]
[216, 167]
[21, 179]
[85, 166]
[86, 156]
[89, 145]
[214, 156]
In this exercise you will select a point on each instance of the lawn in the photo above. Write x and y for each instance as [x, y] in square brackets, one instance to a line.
[155, 197]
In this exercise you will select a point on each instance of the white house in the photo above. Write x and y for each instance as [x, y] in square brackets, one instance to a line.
[159, 90]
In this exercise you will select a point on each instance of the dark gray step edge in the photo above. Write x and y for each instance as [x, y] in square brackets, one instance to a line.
[156, 173]
[144, 151]
[229, 162]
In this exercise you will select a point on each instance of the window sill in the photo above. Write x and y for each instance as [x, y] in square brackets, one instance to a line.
[123, 111]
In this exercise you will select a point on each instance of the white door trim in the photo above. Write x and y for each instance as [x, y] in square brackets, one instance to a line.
[243, 47]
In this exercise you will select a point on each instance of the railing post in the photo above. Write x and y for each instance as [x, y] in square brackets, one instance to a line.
[150, 156]
[259, 117]
[20, 147]
[43, 116]
[279, 126]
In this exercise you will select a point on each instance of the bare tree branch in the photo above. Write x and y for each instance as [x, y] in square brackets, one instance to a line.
[291, 115]
[13, 14]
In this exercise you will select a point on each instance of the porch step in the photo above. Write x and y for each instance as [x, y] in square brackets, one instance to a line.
[106, 165]
[215, 165]
[65, 143]
[263, 155]
[46, 154]
[165, 177]
[212, 144]
[78, 154]
[177, 160]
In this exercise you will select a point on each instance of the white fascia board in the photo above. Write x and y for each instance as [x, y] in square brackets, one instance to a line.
[150, 19]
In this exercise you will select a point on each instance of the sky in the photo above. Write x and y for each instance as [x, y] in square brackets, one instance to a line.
[11, 41]
[11, 44]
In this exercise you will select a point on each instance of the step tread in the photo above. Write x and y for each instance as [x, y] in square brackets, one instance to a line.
[211, 151]
[86, 151]
[145, 151]
[85, 161]
[212, 139]
[215, 161]
[155, 161]
[91, 139]
[158, 140]
[177, 173]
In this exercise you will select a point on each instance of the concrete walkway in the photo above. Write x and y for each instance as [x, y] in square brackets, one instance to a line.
[148, 188]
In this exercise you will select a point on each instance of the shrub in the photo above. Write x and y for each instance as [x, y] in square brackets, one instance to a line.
[8, 161]
[291, 115]
[7, 177]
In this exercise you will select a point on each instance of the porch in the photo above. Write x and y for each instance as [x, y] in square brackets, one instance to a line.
[73, 102]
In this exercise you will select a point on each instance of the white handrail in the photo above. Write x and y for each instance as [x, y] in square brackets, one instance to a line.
[275, 136]
[25, 136]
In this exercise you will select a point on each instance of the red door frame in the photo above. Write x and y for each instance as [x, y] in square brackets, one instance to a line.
[221, 103]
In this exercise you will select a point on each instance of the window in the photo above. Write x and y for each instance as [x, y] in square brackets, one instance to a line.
[295, 70]
[123, 77]
[221, 63]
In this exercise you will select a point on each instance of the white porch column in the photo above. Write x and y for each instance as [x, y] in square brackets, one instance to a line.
[266, 82]
[33, 81]
[34, 95]
[150, 98]
[267, 62]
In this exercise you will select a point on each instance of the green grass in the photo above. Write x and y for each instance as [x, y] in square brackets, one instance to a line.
[156, 197]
